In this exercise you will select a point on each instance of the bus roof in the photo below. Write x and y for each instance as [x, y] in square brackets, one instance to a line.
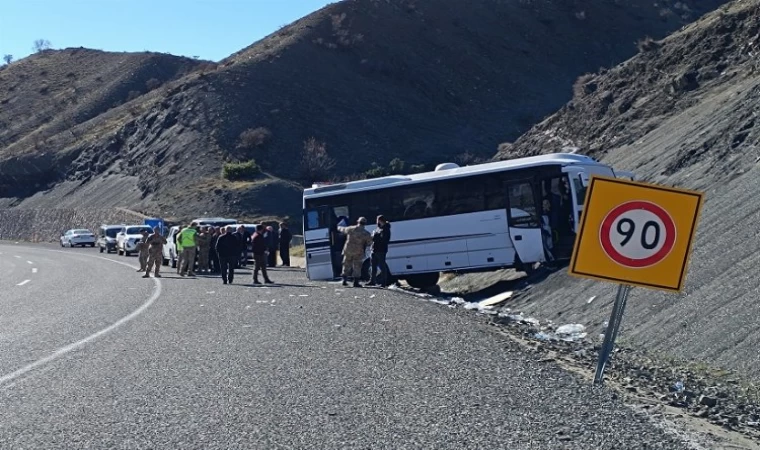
[562, 159]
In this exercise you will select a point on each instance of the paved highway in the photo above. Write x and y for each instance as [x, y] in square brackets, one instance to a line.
[93, 356]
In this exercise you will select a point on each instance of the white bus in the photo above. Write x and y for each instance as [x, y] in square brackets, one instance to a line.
[506, 214]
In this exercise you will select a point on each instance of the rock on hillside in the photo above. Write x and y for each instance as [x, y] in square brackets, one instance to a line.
[682, 112]
[373, 79]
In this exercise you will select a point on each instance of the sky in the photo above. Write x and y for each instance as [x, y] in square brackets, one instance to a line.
[208, 29]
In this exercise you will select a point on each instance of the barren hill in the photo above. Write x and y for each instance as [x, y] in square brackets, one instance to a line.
[423, 81]
[684, 111]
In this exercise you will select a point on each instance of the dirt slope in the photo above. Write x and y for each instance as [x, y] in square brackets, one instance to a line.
[682, 113]
[373, 79]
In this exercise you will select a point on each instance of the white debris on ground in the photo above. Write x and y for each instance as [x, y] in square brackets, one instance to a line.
[568, 333]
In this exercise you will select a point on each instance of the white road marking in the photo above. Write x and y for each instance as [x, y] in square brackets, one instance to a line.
[34, 270]
[75, 345]
[29, 262]
[16, 256]
[23, 282]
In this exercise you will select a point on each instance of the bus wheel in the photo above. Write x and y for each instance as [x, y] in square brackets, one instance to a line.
[423, 280]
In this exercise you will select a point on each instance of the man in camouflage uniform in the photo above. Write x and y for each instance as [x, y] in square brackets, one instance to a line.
[358, 240]
[203, 240]
[155, 244]
[142, 247]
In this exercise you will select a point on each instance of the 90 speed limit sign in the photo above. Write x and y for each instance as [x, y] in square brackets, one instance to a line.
[636, 233]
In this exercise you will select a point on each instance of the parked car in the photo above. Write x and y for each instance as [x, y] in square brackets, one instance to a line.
[215, 222]
[107, 237]
[128, 238]
[80, 237]
[170, 249]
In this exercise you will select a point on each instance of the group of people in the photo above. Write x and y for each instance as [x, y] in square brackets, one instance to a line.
[358, 239]
[219, 250]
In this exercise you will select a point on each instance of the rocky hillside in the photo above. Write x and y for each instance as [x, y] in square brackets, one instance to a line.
[684, 111]
[370, 80]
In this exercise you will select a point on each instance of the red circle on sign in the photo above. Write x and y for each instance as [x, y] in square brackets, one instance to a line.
[612, 216]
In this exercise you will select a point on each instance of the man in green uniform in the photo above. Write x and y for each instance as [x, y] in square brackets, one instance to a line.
[142, 247]
[187, 239]
[155, 243]
[203, 239]
[358, 240]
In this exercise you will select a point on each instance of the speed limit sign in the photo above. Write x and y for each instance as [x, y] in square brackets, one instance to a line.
[636, 233]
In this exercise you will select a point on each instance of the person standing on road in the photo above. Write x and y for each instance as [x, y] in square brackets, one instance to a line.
[204, 244]
[357, 241]
[178, 249]
[187, 238]
[242, 246]
[381, 236]
[228, 250]
[272, 239]
[213, 258]
[155, 244]
[285, 238]
[259, 244]
[142, 247]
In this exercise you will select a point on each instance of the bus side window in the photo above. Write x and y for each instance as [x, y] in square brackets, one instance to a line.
[495, 193]
[580, 190]
[522, 206]
[313, 221]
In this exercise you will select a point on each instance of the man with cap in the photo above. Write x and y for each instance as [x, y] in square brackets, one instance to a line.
[187, 238]
[142, 247]
[358, 240]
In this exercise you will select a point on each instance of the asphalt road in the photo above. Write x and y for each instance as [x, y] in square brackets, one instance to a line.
[93, 356]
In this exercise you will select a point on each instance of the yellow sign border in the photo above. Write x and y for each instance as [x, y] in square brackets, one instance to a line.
[587, 203]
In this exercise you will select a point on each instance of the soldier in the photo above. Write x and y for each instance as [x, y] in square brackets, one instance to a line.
[178, 249]
[155, 244]
[354, 253]
[142, 246]
[204, 246]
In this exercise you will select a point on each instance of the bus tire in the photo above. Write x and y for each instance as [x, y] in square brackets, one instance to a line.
[423, 280]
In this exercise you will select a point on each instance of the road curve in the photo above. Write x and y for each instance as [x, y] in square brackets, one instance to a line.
[295, 365]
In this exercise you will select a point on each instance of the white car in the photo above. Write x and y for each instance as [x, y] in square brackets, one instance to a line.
[170, 249]
[81, 237]
[128, 238]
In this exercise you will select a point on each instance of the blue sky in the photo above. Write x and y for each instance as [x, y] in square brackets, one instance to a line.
[210, 29]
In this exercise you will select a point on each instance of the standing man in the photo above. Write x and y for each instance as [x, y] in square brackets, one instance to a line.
[178, 249]
[357, 241]
[380, 239]
[187, 238]
[242, 246]
[142, 246]
[259, 255]
[272, 239]
[155, 244]
[228, 250]
[213, 258]
[285, 238]
[204, 245]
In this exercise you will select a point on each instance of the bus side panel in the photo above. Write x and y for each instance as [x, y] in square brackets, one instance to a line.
[450, 243]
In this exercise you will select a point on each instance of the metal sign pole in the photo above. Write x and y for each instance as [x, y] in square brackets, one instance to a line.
[612, 330]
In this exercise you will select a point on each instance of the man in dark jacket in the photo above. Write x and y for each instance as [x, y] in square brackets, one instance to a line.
[285, 238]
[259, 244]
[381, 236]
[228, 251]
[242, 237]
[212, 256]
[273, 238]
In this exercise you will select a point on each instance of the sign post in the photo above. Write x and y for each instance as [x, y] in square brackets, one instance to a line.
[634, 234]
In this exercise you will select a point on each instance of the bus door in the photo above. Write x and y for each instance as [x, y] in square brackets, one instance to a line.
[559, 214]
[317, 225]
[524, 225]
[578, 180]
